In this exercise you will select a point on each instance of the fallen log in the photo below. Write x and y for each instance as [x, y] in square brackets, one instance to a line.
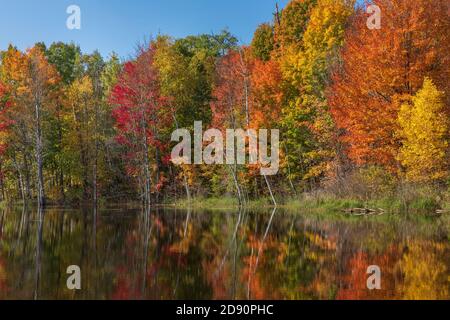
[364, 211]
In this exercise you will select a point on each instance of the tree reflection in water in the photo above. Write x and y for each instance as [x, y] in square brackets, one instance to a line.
[183, 254]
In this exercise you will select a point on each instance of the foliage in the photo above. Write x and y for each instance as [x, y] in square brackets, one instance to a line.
[425, 129]
[382, 69]
[363, 114]
[263, 42]
[140, 114]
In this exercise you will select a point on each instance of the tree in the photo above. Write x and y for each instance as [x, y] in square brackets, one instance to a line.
[188, 68]
[382, 69]
[79, 124]
[309, 132]
[94, 68]
[110, 73]
[293, 23]
[113, 180]
[263, 42]
[266, 99]
[31, 81]
[66, 58]
[186, 73]
[215, 45]
[310, 68]
[267, 94]
[18, 141]
[4, 121]
[40, 78]
[140, 113]
[232, 102]
[425, 129]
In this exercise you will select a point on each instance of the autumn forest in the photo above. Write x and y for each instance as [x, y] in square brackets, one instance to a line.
[363, 113]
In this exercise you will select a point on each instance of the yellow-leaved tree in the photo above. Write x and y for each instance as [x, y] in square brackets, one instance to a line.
[424, 129]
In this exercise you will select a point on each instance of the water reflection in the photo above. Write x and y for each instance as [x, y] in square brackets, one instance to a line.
[182, 254]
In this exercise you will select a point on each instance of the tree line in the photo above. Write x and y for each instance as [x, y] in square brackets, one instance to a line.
[359, 111]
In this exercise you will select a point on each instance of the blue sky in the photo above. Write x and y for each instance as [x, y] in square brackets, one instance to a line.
[117, 25]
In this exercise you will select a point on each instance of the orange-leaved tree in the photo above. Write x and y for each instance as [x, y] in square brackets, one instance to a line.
[382, 69]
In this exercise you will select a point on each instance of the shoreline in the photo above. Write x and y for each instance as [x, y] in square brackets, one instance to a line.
[325, 203]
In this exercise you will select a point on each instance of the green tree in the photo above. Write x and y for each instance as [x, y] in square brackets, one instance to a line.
[293, 23]
[309, 144]
[66, 59]
[263, 42]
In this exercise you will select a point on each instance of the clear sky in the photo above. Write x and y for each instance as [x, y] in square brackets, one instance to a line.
[117, 25]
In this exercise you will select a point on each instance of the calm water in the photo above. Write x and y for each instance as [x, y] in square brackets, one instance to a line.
[179, 254]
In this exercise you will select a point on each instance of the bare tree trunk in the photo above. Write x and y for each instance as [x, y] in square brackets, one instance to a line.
[21, 189]
[236, 183]
[27, 170]
[277, 15]
[94, 169]
[186, 186]
[97, 95]
[2, 185]
[247, 111]
[39, 157]
[94, 182]
[20, 178]
[146, 164]
[158, 168]
[270, 190]
[61, 166]
[246, 88]
[147, 187]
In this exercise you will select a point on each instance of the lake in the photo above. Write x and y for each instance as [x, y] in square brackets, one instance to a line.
[125, 253]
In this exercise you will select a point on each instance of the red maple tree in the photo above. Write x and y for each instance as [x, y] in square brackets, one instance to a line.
[140, 113]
